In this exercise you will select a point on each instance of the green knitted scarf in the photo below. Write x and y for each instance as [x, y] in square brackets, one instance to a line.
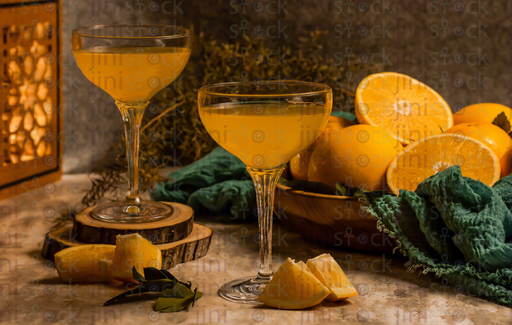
[456, 227]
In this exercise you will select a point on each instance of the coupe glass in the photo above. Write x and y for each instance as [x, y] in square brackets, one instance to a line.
[264, 124]
[131, 63]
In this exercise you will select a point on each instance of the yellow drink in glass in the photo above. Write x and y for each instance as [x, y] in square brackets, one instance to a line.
[265, 135]
[131, 74]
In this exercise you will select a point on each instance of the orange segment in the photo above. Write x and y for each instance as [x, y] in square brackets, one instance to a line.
[134, 250]
[85, 263]
[433, 154]
[325, 268]
[408, 109]
[293, 286]
[491, 135]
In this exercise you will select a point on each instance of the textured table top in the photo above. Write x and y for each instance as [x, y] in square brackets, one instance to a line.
[31, 292]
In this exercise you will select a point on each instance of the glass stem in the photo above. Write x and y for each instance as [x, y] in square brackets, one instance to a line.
[265, 181]
[132, 118]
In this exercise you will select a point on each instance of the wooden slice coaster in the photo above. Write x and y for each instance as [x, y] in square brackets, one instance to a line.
[174, 228]
[195, 246]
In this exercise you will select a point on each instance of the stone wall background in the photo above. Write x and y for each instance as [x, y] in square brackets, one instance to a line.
[460, 48]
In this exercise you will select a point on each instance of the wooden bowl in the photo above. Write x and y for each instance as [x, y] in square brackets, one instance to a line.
[330, 220]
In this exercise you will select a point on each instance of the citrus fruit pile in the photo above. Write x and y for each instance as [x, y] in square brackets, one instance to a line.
[407, 133]
[302, 285]
[104, 263]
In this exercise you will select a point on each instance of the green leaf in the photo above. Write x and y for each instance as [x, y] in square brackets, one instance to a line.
[346, 115]
[343, 190]
[174, 294]
[137, 276]
[178, 291]
[146, 287]
[176, 299]
[282, 181]
[156, 274]
[169, 305]
[502, 121]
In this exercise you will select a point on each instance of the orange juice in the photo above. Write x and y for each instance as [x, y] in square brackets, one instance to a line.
[265, 134]
[132, 74]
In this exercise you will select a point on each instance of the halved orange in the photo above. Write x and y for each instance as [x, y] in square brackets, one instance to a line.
[85, 263]
[407, 108]
[433, 154]
[293, 286]
[328, 271]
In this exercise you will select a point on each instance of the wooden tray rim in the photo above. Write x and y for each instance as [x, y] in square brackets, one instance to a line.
[325, 196]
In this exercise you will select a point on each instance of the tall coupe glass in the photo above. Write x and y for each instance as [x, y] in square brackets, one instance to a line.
[131, 63]
[264, 124]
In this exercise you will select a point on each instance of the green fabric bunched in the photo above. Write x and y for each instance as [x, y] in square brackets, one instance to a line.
[217, 182]
[456, 227]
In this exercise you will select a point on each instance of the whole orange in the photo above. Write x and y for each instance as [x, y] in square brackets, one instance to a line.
[299, 164]
[481, 113]
[506, 163]
[358, 156]
[491, 135]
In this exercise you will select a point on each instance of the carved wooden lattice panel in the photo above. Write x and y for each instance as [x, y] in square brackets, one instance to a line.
[29, 95]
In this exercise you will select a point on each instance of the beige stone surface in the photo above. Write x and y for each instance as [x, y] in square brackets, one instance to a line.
[31, 292]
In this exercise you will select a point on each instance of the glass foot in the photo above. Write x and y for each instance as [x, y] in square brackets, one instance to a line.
[245, 290]
[121, 212]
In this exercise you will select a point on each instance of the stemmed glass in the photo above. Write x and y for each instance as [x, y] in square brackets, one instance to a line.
[131, 63]
[264, 124]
